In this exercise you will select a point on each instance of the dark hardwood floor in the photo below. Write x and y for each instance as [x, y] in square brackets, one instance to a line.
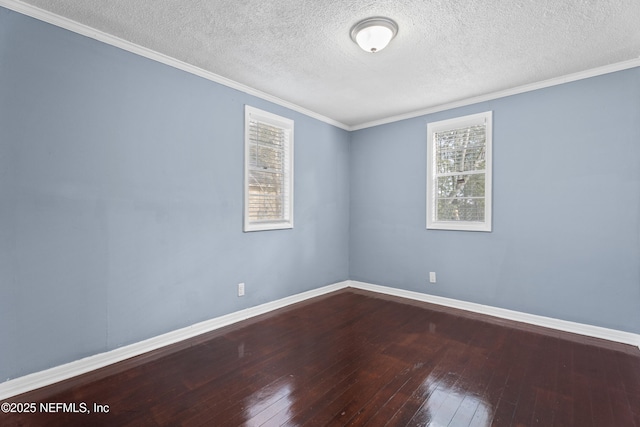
[354, 358]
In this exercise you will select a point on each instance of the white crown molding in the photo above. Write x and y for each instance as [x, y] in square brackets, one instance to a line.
[84, 30]
[533, 319]
[69, 370]
[87, 31]
[594, 72]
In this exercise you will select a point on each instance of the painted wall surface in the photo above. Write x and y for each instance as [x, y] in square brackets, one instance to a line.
[121, 200]
[121, 203]
[566, 208]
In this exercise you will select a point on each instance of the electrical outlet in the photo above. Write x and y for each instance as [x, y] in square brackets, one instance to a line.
[432, 277]
[240, 289]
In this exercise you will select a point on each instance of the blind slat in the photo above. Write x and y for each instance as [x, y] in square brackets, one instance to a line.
[269, 160]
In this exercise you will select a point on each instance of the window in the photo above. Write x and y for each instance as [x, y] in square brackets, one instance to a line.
[268, 171]
[459, 173]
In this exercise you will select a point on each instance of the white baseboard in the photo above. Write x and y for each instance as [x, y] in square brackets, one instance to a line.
[533, 319]
[69, 370]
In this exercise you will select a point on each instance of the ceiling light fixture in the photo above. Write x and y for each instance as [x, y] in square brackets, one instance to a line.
[374, 34]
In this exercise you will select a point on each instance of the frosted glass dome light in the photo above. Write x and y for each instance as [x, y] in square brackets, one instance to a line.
[374, 34]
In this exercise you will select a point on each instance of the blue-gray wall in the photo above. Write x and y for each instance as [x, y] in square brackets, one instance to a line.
[121, 203]
[566, 208]
[121, 200]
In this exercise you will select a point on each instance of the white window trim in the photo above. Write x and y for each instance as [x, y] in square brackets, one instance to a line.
[456, 123]
[252, 113]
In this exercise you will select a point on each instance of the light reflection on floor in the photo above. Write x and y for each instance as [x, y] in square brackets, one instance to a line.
[446, 403]
[269, 401]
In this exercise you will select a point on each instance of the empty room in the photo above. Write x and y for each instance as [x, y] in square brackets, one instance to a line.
[268, 213]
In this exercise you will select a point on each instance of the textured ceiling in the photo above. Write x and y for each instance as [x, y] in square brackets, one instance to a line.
[445, 50]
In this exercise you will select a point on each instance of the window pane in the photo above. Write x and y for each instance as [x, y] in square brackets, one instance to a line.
[266, 195]
[267, 146]
[460, 186]
[462, 160]
[266, 134]
[264, 207]
[460, 209]
[266, 157]
[462, 137]
[460, 150]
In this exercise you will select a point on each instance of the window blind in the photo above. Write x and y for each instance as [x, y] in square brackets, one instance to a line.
[269, 152]
[268, 193]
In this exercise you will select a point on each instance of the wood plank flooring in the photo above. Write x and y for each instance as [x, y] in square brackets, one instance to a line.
[354, 358]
